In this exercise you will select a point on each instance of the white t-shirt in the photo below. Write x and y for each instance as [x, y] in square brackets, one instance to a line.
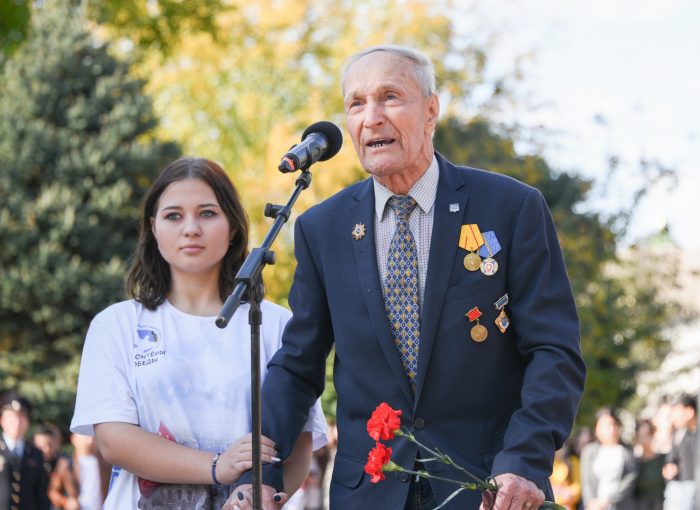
[177, 375]
[90, 496]
[608, 467]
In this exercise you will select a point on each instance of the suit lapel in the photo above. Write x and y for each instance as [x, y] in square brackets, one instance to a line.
[443, 248]
[362, 211]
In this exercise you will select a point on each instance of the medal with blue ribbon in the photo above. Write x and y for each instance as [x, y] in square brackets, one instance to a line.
[491, 246]
[502, 321]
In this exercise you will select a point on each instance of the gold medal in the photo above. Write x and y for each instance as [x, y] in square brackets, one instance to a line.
[489, 266]
[479, 333]
[472, 261]
[470, 239]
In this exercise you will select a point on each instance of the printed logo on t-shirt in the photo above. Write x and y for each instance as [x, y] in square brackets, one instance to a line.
[148, 348]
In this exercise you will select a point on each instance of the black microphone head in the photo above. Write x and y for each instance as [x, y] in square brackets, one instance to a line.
[332, 134]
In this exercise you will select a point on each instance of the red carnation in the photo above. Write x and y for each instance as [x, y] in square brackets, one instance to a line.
[377, 458]
[384, 423]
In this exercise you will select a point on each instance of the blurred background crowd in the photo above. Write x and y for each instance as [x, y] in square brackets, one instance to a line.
[39, 472]
[631, 463]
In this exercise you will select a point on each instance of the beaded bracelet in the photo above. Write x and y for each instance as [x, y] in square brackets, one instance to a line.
[214, 460]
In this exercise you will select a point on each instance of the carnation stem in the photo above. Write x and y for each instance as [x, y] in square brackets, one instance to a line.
[465, 485]
[446, 459]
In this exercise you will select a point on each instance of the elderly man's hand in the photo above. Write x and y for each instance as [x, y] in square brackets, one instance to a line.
[515, 493]
[242, 498]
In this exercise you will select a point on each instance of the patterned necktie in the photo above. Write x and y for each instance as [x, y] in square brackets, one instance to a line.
[401, 287]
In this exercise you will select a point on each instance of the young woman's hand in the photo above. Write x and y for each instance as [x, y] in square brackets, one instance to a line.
[242, 498]
[238, 458]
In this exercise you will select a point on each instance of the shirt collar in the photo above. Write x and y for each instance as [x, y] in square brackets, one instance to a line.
[12, 444]
[423, 191]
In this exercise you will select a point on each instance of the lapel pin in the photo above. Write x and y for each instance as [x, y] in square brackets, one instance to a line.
[454, 207]
[359, 231]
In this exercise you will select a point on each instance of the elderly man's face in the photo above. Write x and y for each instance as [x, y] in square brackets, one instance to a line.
[389, 119]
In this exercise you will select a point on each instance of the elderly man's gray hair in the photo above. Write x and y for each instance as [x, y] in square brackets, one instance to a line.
[423, 66]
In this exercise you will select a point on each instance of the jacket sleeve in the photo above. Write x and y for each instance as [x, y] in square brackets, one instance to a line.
[546, 326]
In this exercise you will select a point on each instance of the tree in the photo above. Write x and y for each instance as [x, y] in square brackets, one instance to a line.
[244, 96]
[76, 155]
[156, 25]
[622, 304]
[14, 18]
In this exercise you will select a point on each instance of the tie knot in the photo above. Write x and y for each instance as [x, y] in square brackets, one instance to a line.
[402, 205]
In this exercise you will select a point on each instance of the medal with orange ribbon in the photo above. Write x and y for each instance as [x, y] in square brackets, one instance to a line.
[470, 239]
[478, 331]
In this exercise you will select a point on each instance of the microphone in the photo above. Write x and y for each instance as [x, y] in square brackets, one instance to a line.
[320, 141]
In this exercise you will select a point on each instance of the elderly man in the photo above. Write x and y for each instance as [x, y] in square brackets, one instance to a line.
[444, 291]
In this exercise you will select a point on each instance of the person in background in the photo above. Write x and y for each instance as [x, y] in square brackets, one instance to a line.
[166, 392]
[608, 470]
[63, 488]
[23, 479]
[663, 426]
[680, 462]
[649, 488]
[566, 477]
[584, 436]
[47, 438]
[91, 472]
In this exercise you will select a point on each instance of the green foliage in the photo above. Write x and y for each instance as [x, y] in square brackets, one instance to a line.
[14, 19]
[156, 24]
[75, 159]
[621, 305]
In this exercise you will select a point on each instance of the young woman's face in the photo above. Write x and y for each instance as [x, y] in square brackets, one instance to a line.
[192, 231]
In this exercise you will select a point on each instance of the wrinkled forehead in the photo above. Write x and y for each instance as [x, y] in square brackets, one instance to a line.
[377, 70]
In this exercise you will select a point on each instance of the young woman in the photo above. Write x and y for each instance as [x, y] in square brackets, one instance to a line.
[608, 470]
[166, 392]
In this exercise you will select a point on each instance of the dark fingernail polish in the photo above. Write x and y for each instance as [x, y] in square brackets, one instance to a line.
[277, 498]
[240, 495]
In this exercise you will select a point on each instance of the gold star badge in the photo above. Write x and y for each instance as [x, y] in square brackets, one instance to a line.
[359, 231]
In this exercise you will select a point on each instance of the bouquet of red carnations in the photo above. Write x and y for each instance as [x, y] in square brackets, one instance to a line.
[385, 424]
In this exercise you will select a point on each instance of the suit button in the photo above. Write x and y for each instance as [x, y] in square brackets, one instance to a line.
[419, 423]
[404, 477]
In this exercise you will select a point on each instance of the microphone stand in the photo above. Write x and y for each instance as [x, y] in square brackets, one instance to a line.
[249, 278]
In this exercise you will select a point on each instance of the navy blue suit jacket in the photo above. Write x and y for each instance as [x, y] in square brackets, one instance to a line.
[501, 406]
